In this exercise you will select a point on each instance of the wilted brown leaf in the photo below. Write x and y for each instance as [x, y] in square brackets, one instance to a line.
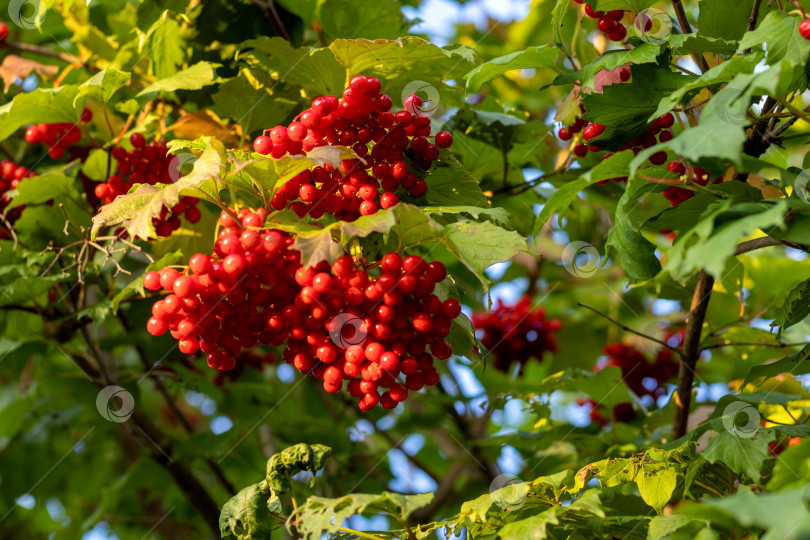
[14, 67]
[206, 123]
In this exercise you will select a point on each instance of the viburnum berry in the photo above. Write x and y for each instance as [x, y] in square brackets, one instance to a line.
[514, 334]
[147, 163]
[251, 292]
[3, 32]
[644, 377]
[444, 139]
[394, 147]
[11, 175]
[804, 29]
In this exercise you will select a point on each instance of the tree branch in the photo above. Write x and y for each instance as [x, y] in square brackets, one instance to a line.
[686, 28]
[756, 243]
[272, 15]
[148, 365]
[690, 351]
[752, 22]
[158, 447]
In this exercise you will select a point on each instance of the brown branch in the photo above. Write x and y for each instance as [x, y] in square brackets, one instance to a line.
[149, 365]
[756, 243]
[690, 351]
[158, 447]
[752, 22]
[28, 48]
[272, 15]
[628, 329]
[686, 28]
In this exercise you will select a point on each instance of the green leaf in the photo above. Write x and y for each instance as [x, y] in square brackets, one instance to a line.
[709, 243]
[625, 108]
[613, 167]
[292, 460]
[198, 76]
[543, 56]
[40, 189]
[246, 515]
[743, 455]
[12, 417]
[721, 73]
[656, 484]
[450, 183]
[480, 245]
[636, 253]
[406, 504]
[792, 469]
[695, 43]
[724, 19]
[604, 386]
[783, 515]
[319, 515]
[42, 105]
[246, 97]
[404, 65]
[498, 215]
[381, 19]
[137, 209]
[643, 54]
[635, 6]
[663, 526]
[164, 45]
[531, 528]
[26, 289]
[104, 84]
[314, 70]
[795, 363]
[557, 16]
[795, 308]
[779, 32]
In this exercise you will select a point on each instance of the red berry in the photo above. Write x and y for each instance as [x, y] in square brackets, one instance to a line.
[444, 139]
[151, 281]
[137, 140]
[156, 327]
[263, 145]
[804, 28]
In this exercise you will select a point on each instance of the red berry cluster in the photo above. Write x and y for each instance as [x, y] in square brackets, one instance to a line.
[339, 322]
[58, 136]
[636, 369]
[515, 334]
[147, 164]
[676, 195]
[657, 131]
[608, 22]
[10, 176]
[384, 141]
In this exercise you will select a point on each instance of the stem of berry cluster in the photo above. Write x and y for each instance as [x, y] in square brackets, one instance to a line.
[690, 351]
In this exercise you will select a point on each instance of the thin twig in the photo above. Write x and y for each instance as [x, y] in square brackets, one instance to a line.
[628, 329]
[754, 344]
